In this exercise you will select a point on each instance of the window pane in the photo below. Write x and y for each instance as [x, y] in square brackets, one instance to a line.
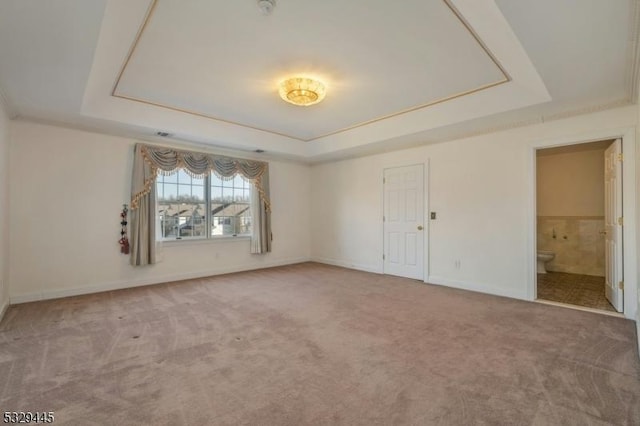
[216, 193]
[184, 192]
[183, 211]
[227, 194]
[183, 177]
[232, 218]
[168, 221]
[181, 207]
[197, 192]
[170, 179]
[170, 192]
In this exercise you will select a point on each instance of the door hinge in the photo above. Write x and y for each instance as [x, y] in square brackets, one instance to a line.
[620, 157]
[621, 285]
[384, 219]
[384, 180]
[383, 256]
[620, 221]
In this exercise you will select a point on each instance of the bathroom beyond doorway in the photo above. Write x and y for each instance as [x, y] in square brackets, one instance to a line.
[570, 182]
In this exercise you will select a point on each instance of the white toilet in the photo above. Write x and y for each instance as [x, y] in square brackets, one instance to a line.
[544, 256]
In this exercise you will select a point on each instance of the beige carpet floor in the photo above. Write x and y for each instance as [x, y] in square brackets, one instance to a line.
[311, 344]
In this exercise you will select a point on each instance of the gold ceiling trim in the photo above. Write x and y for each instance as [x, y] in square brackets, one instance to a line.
[506, 78]
[469, 28]
[133, 47]
[199, 114]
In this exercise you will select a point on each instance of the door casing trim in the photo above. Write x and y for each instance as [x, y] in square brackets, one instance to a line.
[629, 184]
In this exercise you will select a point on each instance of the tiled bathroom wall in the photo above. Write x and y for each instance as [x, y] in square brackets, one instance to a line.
[578, 243]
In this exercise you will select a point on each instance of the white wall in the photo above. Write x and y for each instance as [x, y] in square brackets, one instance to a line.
[482, 190]
[470, 185]
[4, 209]
[67, 190]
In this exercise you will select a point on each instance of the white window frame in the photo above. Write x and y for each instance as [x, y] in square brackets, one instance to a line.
[209, 217]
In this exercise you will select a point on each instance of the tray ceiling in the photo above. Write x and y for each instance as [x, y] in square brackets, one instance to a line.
[182, 59]
[398, 75]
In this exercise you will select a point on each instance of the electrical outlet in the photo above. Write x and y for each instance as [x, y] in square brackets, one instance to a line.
[457, 264]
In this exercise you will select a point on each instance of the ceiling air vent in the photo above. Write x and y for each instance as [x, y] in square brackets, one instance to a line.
[163, 134]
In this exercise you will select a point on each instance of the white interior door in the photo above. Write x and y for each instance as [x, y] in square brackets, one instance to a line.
[404, 221]
[613, 224]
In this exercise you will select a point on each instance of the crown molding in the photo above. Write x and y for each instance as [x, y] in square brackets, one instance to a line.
[540, 119]
[589, 109]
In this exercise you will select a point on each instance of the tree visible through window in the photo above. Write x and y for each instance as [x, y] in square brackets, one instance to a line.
[191, 207]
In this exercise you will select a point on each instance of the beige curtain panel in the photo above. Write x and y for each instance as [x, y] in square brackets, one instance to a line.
[150, 160]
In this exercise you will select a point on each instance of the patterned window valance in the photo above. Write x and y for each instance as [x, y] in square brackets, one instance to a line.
[198, 164]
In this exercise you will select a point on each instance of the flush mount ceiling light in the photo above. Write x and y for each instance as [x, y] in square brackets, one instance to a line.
[302, 91]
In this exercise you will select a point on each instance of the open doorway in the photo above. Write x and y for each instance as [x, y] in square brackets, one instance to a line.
[578, 225]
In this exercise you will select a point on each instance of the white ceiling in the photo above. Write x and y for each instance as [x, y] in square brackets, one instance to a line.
[206, 71]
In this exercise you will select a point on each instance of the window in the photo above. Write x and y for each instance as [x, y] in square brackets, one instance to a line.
[208, 207]
[230, 206]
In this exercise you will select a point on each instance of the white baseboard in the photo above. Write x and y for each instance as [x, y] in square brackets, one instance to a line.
[131, 283]
[480, 288]
[348, 265]
[3, 310]
[477, 287]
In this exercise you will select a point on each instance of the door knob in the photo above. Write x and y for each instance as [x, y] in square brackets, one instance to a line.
[420, 228]
[603, 232]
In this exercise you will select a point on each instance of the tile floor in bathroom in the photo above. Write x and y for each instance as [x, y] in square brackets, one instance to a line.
[574, 289]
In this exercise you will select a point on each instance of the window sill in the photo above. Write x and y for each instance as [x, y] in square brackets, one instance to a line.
[199, 241]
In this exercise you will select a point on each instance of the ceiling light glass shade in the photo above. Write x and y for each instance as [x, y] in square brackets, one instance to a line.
[302, 91]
